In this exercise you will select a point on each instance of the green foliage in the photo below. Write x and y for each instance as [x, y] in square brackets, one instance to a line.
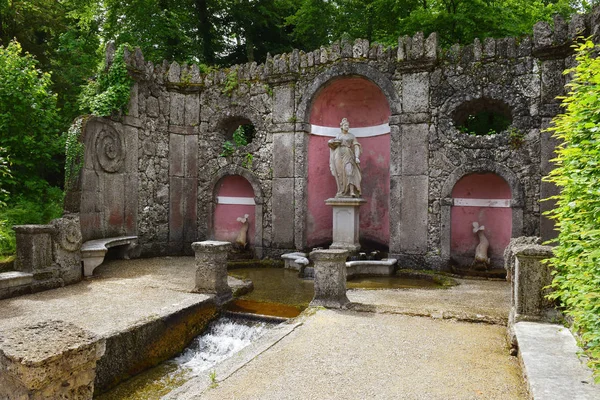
[484, 123]
[29, 123]
[74, 151]
[241, 137]
[27, 211]
[231, 83]
[515, 138]
[109, 93]
[248, 159]
[4, 175]
[576, 258]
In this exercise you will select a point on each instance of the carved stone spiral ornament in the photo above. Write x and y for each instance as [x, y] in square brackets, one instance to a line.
[110, 150]
[68, 233]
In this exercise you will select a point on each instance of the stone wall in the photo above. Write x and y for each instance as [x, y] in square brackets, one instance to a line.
[163, 188]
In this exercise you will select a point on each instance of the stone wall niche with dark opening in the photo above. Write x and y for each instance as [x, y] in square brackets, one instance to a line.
[482, 116]
[239, 130]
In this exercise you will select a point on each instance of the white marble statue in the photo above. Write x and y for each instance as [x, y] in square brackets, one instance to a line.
[481, 251]
[242, 238]
[344, 162]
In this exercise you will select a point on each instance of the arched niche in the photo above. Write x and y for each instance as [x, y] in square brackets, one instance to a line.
[485, 199]
[367, 108]
[236, 191]
[234, 198]
[483, 181]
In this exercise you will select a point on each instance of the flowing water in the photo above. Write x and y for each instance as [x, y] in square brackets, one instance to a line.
[223, 338]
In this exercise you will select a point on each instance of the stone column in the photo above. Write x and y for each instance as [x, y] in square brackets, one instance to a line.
[346, 222]
[211, 269]
[330, 278]
[34, 247]
[49, 360]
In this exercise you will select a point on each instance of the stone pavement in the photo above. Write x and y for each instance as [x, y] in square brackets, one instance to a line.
[326, 354]
[356, 355]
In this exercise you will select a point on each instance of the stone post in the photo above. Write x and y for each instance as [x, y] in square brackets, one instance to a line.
[211, 269]
[48, 360]
[34, 247]
[530, 278]
[330, 278]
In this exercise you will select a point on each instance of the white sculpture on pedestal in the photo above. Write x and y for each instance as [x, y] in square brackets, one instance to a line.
[481, 251]
[344, 162]
[242, 238]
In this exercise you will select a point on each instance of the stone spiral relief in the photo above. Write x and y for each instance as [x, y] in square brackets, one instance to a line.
[110, 150]
[68, 233]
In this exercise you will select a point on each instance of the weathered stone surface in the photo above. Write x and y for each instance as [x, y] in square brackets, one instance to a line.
[530, 278]
[51, 359]
[330, 278]
[211, 269]
[413, 214]
[415, 92]
[415, 149]
[283, 213]
[34, 247]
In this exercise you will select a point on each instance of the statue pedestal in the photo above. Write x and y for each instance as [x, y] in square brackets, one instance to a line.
[346, 221]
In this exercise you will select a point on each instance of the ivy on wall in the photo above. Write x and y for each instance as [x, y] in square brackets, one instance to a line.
[109, 93]
[576, 258]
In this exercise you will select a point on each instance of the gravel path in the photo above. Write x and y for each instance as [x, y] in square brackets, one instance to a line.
[350, 355]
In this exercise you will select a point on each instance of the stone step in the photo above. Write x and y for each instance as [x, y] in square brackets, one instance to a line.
[14, 278]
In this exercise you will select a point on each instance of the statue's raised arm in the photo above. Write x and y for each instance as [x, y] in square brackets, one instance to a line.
[344, 162]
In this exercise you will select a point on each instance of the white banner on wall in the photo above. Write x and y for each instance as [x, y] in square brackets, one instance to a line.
[368, 131]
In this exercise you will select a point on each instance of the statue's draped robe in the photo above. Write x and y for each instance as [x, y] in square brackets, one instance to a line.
[343, 165]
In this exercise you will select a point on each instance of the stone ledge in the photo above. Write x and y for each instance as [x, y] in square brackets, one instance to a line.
[551, 366]
[15, 278]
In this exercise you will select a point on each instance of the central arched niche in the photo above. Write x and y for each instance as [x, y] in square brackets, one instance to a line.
[368, 111]
[484, 198]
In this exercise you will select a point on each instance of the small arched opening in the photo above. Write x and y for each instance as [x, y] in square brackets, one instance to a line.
[482, 116]
[484, 199]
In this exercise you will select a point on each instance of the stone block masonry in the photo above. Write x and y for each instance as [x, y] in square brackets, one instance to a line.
[48, 360]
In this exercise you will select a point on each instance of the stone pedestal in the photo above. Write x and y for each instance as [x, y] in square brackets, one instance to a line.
[530, 278]
[330, 278]
[346, 222]
[34, 247]
[211, 269]
[48, 360]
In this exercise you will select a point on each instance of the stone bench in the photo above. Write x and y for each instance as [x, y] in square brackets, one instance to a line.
[94, 251]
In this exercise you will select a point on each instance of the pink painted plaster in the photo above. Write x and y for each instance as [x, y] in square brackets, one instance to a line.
[497, 221]
[226, 225]
[363, 103]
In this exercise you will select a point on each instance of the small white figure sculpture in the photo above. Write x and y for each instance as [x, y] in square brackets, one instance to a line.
[243, 235]
[481, 251]
[344, 162]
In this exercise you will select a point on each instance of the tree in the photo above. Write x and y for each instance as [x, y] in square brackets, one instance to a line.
[29, 123]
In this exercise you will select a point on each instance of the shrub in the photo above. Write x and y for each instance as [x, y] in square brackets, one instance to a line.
[29, 123]
[576, 258]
